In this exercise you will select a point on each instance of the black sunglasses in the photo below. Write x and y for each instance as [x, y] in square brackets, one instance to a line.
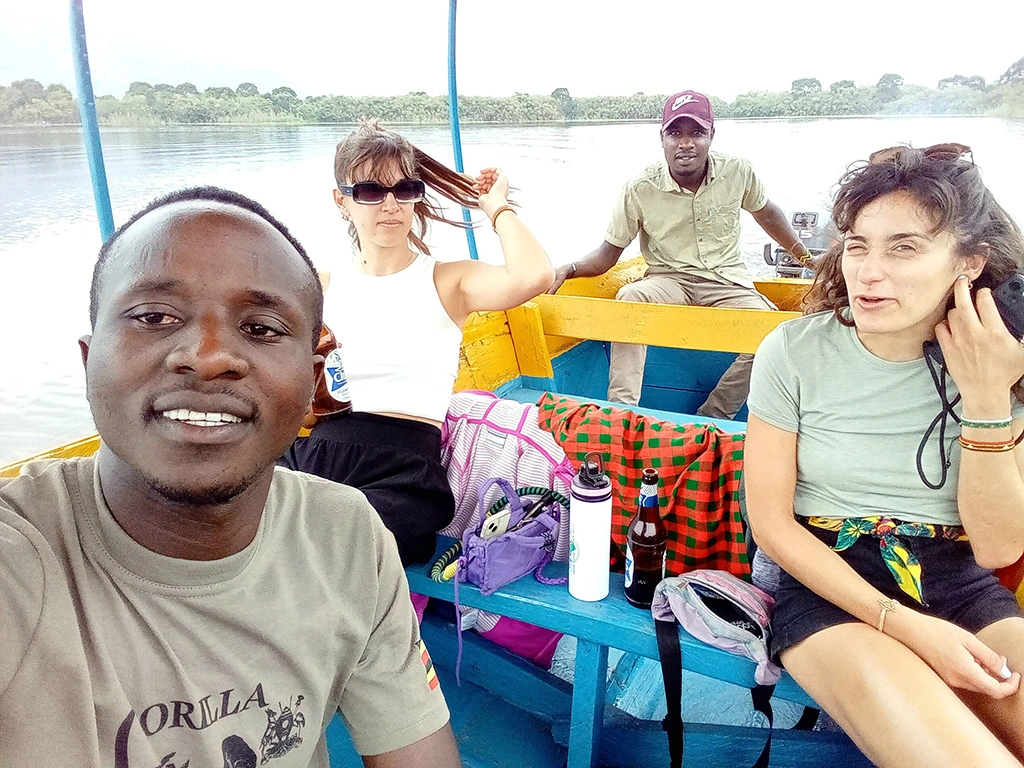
[372, 193]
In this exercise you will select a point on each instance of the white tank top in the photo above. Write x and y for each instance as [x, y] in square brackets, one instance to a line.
[399, 347]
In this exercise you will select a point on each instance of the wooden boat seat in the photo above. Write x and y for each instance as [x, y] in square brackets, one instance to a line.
[577, 715]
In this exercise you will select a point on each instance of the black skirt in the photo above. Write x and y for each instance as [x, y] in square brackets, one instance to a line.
[395, 462]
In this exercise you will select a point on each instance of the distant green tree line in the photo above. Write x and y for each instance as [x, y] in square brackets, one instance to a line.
[27, 102]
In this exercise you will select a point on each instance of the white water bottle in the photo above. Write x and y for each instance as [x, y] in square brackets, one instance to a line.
[590, 530]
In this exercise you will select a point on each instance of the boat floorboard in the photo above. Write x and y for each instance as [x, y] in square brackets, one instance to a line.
[490, 732]
[494, 733]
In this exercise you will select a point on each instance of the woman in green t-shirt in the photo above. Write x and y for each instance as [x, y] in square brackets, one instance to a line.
[886, 529]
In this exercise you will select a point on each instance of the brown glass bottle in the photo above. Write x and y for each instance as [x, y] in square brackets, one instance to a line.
[645, 545]
[331, 397]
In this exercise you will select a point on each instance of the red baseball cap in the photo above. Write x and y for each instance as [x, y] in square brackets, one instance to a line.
[691, 104]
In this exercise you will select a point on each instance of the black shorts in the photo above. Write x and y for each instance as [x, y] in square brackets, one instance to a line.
[954, 588]
[395, 462]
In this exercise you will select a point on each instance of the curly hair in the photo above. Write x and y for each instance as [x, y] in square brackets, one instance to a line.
[370, 146]
[949, 188]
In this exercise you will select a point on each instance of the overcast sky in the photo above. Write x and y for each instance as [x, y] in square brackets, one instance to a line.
[591, 47]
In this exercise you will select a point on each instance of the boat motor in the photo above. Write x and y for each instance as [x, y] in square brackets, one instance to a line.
[814, 230]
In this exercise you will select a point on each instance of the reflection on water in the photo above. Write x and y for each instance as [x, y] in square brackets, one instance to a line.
[567, 178]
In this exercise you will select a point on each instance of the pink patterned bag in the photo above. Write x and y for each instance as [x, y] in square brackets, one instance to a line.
[484, 436]
[721, 610]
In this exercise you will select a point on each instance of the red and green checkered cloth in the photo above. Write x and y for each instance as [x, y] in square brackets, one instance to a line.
[699, 469]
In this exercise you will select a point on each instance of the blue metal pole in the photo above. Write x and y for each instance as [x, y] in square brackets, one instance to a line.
[453, 118]
[90, 126]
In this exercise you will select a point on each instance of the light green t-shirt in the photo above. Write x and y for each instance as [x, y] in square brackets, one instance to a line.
[693, 232]
[859, 421]
[117, 657]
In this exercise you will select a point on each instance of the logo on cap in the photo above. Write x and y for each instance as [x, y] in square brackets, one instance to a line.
[684, 99]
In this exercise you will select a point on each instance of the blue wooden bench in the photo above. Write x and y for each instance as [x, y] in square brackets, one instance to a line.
[610, 623]
[578, 715]
[532, 706]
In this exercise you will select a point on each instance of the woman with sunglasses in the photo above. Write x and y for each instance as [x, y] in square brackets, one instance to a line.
[397, 314]
[885, 524]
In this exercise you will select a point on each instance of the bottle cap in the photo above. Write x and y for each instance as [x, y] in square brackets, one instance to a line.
[591, 481]
[592, 471]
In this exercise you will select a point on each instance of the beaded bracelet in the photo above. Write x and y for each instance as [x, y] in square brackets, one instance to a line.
[987, 447]
[986, 423]
[497, 213]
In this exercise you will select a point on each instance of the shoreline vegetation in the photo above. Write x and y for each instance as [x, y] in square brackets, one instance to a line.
[28, 103]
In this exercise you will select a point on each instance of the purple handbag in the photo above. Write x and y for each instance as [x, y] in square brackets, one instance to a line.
[523, 548]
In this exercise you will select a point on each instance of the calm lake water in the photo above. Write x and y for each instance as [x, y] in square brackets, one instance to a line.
[567, 179]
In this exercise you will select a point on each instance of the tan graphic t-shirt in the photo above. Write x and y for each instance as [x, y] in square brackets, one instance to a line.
[116, 656]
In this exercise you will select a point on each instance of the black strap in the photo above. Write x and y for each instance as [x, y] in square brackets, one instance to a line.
[671, 655]
[808, 719]
[672, 673]
[761, 696]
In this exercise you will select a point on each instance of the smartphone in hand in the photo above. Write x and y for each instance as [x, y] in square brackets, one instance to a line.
[1009, 299]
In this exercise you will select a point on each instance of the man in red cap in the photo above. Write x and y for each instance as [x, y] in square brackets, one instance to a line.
[686, 210]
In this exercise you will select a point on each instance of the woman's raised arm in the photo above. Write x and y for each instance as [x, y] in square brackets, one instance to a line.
[472, 286]
[985, 361]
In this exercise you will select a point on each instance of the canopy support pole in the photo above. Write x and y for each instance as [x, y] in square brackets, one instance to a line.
[90, 125]
[453, 119]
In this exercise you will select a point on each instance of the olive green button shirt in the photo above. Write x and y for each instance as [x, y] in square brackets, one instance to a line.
[693, 232]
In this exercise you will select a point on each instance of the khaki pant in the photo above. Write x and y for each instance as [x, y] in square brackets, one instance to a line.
[662, 286]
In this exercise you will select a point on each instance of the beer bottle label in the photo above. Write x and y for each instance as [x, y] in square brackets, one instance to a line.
[648, 495]
[629, 566]
[334, 372]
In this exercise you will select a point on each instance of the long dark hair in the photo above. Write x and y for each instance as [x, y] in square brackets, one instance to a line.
[948, 185]
[371, 146]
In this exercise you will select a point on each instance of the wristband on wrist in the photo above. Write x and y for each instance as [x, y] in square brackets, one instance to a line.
[573, 273]
[497, 213]
[986, 423]
[980, 446]
[800, 257]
